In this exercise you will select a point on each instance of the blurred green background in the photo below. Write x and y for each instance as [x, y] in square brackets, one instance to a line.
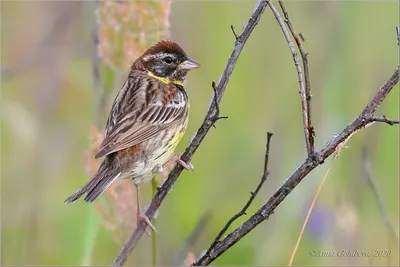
[48, 106]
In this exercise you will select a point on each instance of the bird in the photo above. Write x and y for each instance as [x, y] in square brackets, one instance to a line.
[147, 120]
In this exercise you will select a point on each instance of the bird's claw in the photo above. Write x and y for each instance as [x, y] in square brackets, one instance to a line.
[142, 217]
[188, 166]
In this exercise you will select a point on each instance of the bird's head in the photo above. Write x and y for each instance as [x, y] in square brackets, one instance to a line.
[167, 61]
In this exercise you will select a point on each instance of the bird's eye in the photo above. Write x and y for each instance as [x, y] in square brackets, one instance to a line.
[168, 60]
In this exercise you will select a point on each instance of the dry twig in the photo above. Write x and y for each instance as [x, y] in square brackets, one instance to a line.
[391, 122]
[305, 93]
[251, 199]
[305, 99]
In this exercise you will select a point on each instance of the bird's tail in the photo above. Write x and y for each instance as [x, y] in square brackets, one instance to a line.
[104, 177]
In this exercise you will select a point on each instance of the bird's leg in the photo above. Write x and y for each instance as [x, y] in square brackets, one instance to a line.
[140, 215]
[177, 158]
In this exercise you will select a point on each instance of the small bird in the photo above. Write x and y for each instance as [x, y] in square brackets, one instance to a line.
[147, 120]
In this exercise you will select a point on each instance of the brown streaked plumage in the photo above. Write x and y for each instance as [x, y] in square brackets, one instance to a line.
[146, 121]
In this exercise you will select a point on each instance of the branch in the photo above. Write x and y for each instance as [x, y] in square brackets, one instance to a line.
[209, 120]
[305, 94]
[252, 197]
[379, 199]
[302, 171]
[305, 99]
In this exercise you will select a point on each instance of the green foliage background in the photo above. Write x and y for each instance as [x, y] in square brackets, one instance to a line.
[48, 106]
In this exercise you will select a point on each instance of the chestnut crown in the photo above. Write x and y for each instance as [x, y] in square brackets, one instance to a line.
[167, 60]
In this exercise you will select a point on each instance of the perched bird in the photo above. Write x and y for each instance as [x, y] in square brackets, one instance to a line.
[147, 120]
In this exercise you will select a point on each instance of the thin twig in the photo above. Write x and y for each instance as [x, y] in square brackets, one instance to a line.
[302, 171]
[251, 199]
[379, 199]
[398, 35]
[391, 122]
[215, 99]
[302, 91]
[234, 32]
[305, 94]
[209, 120]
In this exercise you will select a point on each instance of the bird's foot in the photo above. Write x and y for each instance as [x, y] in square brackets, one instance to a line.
[177, 158]
[142, 217]
[188, 166]
[165, 169]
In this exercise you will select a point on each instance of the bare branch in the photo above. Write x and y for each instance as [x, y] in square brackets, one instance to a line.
[305, 94]
[398, 35]
[209, 120]
[302, 171]
[252, 197]
[308, 131]
[379, 199]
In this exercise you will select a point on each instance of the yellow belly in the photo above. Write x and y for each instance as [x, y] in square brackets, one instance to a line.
[168, 149]
[143, 170]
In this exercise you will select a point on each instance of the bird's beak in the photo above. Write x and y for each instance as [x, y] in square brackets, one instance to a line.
[189, 64]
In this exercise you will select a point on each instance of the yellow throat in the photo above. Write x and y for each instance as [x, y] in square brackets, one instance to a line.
[164, 80]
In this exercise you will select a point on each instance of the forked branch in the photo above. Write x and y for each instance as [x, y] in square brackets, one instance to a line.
[303, 78]
[306, 93]
[302, 171]
[314, 159]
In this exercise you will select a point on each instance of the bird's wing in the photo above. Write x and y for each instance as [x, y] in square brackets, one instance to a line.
[142, 109]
